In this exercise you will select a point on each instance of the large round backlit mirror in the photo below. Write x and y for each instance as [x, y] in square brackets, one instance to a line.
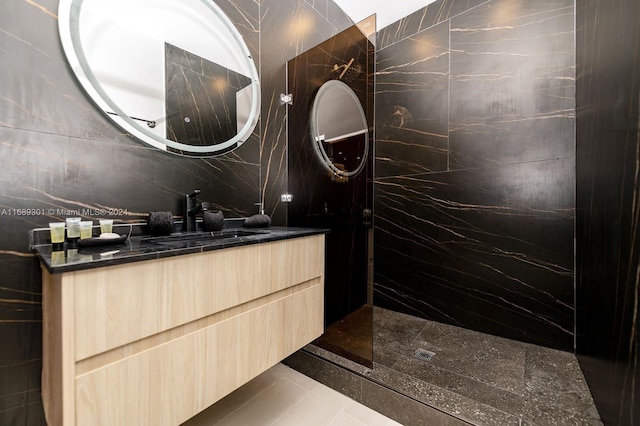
[339, 130]
[174, 74]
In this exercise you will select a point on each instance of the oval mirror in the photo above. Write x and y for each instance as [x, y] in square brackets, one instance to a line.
[174, 74]
[339, 130]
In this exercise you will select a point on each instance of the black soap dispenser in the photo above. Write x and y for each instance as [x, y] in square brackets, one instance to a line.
[259, 220]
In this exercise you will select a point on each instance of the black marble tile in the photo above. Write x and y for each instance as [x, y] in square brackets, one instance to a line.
[21, 330]
[322, 6]
[58, 172]
[412, 99]
[245, 15]
[486, 249]
[422, 19]
[607, 209]
[489, 247]
[512, 83]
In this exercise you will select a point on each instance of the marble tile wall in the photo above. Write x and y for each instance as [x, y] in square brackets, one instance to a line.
[432, 14]
[607, 210]
[58, 152]
[474, 174]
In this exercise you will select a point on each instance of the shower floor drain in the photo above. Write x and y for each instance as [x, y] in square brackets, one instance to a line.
[424, 354]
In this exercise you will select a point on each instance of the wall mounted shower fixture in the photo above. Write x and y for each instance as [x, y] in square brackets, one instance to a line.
[348, 71]
[344, 67]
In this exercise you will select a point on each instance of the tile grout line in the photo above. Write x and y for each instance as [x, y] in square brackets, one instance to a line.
[290, 408]
[253, 398]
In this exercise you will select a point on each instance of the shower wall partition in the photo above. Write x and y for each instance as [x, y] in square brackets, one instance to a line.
[330, 165]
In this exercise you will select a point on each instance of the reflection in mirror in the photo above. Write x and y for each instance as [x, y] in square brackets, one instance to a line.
[216, 114]
[176, 75]
[339, 129]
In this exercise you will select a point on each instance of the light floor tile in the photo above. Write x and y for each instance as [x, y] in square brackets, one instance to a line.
[281, 371]
[318, 407]
[284, 397]
[235, 400]
[368, 416]
[343, 419]
[268, 406]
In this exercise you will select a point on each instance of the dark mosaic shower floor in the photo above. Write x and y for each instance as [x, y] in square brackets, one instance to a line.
[479, 378]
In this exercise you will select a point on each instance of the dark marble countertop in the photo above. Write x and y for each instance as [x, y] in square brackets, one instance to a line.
[137, 248]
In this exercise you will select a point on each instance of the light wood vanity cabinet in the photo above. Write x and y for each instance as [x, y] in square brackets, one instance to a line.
[155, 342]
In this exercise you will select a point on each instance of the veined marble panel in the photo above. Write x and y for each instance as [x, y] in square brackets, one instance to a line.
[478, 230]
[54, 174]
[422, 19]
[607, 208]
[412, 100]
[512, 93]
[485, 249]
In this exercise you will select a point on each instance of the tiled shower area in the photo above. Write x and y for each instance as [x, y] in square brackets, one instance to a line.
[429, 373]
[497, 220]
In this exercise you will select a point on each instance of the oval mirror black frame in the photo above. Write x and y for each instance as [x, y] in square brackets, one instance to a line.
[337, 115]
[79, 29]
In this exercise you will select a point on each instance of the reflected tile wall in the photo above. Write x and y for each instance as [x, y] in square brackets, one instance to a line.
[474, 193]
[201, 99]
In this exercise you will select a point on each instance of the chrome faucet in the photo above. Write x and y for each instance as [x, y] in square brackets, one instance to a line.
[191, 210]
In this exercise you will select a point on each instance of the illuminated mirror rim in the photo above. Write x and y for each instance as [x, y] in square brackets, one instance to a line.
[70, 36]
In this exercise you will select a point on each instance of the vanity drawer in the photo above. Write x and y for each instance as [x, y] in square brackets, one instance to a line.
[114, 306]
[168, 383]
